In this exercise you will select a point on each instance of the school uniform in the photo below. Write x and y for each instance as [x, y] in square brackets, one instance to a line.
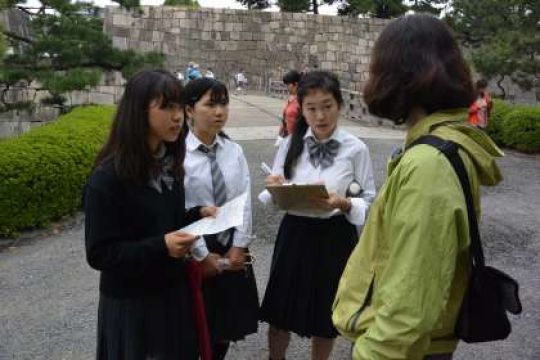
[312, 247]
[231, 298]
[145, 305]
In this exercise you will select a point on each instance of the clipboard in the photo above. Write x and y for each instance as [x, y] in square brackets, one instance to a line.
[294, 196]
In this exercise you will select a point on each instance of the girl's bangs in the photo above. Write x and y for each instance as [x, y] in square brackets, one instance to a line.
[170, 92]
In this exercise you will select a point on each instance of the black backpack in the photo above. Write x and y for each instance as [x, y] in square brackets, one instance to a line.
[491, 293]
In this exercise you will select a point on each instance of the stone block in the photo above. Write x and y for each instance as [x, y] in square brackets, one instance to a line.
[218, 26]
[326, 65]
[330, 56]
[206, 35]
[246, 36]
[102, 99]
[120, 43]
[157, 36]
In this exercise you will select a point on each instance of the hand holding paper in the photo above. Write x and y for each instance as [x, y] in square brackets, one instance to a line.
[228, 216]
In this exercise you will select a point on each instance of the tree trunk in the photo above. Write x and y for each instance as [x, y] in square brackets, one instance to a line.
[499, 85]
[315, 6]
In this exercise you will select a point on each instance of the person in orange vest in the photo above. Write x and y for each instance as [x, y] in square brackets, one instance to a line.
[480, 109]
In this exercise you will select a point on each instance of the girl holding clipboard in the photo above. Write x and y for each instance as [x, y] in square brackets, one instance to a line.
[313, 246]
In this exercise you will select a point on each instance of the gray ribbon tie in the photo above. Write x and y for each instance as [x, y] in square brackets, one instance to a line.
[322, 153]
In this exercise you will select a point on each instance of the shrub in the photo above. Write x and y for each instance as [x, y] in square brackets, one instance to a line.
[496, 120]
[521, 129]
[43, 171]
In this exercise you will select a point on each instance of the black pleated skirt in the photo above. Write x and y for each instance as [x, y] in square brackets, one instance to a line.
[309, 257]
[231, 300]
[158, 327]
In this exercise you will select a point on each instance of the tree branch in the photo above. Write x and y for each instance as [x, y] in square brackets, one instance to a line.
[14, 36]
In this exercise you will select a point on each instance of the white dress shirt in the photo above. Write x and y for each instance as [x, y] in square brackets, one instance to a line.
[198, 184]
[352, 163]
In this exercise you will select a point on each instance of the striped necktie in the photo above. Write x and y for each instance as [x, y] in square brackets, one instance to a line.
[218, 186]
[218, 181]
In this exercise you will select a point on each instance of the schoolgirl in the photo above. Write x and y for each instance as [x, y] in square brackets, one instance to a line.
[216, 172]
[134, 203]
[312, 246]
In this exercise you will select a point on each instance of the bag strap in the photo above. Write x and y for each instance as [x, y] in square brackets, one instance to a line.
[450, 150]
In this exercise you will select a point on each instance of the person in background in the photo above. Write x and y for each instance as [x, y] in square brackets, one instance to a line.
[209, 74]
[480, 109]
[195, 73]
[217, 172]
[134, 205]
[180, 76]
[313, 245]
[400, 294]
[240, 80]
[188, 71]
[292, 108]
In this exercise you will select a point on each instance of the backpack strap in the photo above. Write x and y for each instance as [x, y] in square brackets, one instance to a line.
[450, 150]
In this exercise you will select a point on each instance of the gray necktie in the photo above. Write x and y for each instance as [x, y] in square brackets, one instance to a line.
[218, 184]
[322, 153]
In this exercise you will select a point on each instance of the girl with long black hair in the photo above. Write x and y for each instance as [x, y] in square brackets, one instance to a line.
[313, 245]
[134, 204]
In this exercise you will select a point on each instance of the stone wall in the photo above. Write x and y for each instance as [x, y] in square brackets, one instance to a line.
[263, 44]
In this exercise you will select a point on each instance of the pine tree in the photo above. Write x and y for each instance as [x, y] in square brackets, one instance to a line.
[383, 9]
[192, 4]
[67, 51]
[502, 37]
[255, 4]
[294, 5]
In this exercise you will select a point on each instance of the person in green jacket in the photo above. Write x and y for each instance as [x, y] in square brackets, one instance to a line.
[402, 288]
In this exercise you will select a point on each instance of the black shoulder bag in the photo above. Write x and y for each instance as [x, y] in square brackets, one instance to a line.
[491, 293]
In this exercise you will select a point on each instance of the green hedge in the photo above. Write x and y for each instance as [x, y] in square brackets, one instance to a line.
[496, 121]
[521, 129]
[44, 170]
[515, 126]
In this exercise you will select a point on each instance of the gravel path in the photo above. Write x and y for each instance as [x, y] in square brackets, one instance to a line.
[49, 294]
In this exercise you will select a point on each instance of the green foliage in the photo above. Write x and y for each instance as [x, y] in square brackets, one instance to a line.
[496, 119]
[255, 4]
[502, 36]
[521, 129]
[294, 5]
[69, 51]
[384, 9]
[44, 170]
[192, 4]
[434, 7]
[3, 44]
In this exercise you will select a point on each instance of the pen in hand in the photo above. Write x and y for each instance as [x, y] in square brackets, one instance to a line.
[266, 169]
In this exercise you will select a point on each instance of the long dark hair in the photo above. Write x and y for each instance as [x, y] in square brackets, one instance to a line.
[196, 89]
[315, 80]
[127, 147]
[416, 62]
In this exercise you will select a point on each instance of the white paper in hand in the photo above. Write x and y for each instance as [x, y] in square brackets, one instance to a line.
[231, 214]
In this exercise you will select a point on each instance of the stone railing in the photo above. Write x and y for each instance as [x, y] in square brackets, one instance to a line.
[277, 89]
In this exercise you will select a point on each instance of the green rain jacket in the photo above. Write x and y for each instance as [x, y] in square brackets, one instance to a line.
[400, 293]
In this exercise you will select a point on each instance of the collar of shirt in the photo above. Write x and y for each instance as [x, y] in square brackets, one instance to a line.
[337, 135]
[193, 142]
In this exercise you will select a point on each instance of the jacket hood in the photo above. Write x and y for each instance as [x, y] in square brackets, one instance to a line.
[452, 125]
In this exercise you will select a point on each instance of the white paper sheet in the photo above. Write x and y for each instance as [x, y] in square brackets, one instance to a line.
[231, 214]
